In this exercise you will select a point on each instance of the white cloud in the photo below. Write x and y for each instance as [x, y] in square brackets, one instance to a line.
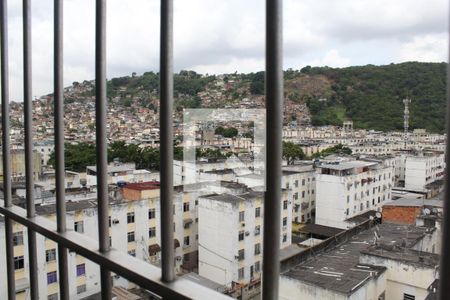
[425, 48]
[227, 36]
[331, 59]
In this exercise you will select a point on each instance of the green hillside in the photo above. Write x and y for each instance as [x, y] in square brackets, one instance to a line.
[372, 95]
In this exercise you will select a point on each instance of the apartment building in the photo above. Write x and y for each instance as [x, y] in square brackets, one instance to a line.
[301, 180]
[423, 169]
[230, 236]
[348, 188]
[83, 274]
[18, 165]
[120, 172]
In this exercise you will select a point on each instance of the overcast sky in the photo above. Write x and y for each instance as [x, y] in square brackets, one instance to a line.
[220, 36]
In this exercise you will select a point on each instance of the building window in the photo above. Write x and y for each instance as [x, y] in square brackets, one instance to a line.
[241, 273]
[284, 238]
[257, 249]
[130, 236]
[109, 221]
[50, 255]
[303, 194]
[186, 206]
[296, 183]
[303, 181]
[52, 277]
[78, 226]
[257, 266]
[186, 241]
[312, 192]
[408, 297]
[241, 254]
[81, 270]
[81, 289]
[152, 232]
[174, 227]
[19, 262]
[151, 213]
[257, 230]
[285, 204]
[257, 212]
[241, 216]
[130, 217]
[241, 235]
[132, 252]
[18, 238]
[285, 221]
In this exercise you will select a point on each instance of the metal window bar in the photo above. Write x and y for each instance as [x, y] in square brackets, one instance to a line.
[58, 96]
[274, 115]
[28, 128]
[166, 138]
[6, 147]
[111, 260]
[444, 267]
[101, 141]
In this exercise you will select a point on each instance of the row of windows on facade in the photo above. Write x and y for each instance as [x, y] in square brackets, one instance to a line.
[258, 211]
[253, 269]
[50, 256]
[303, 182]
[303, 194]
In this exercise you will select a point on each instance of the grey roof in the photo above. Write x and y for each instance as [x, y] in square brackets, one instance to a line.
[415, 202]
[347, 165]
[70, 206]
[320, 230]
[224, 198]
[339, 269]
[407, 256]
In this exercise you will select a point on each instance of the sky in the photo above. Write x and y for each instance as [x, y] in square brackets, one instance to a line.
[215, 36]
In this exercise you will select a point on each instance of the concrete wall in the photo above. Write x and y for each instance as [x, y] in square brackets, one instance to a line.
[403, 277]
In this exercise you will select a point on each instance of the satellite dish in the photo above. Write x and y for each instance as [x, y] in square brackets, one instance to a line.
[427, 211]
[378, 215]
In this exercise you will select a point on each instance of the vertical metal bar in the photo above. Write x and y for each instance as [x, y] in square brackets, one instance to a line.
[59, 144]
[28, 116]
[166, 138]
[444, 269]
[6, 147]
[274, 107]
[101, 142]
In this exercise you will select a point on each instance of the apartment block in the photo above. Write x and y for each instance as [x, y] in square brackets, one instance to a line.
[230, 236]
[349, 188]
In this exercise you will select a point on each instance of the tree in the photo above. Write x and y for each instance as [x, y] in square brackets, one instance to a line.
[77, 157]
[338, 149]
[292, 152]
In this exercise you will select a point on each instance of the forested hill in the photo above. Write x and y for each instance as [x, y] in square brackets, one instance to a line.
[372, 95]
[369, 95]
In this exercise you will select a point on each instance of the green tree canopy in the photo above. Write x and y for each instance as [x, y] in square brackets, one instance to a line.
[292, 152]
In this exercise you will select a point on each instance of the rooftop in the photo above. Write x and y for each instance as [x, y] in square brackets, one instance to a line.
[149, 185]
[339, 269]
[415, 202]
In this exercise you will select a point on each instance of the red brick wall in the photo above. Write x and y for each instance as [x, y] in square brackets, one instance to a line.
[400, 214]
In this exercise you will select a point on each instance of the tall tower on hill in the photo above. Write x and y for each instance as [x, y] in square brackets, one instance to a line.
[406, 102]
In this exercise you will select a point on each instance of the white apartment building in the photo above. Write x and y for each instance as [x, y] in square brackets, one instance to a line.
[230, 236]
[45, 148]
[301, 180]
[346, 189]
[120, 172]
[423, 169]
